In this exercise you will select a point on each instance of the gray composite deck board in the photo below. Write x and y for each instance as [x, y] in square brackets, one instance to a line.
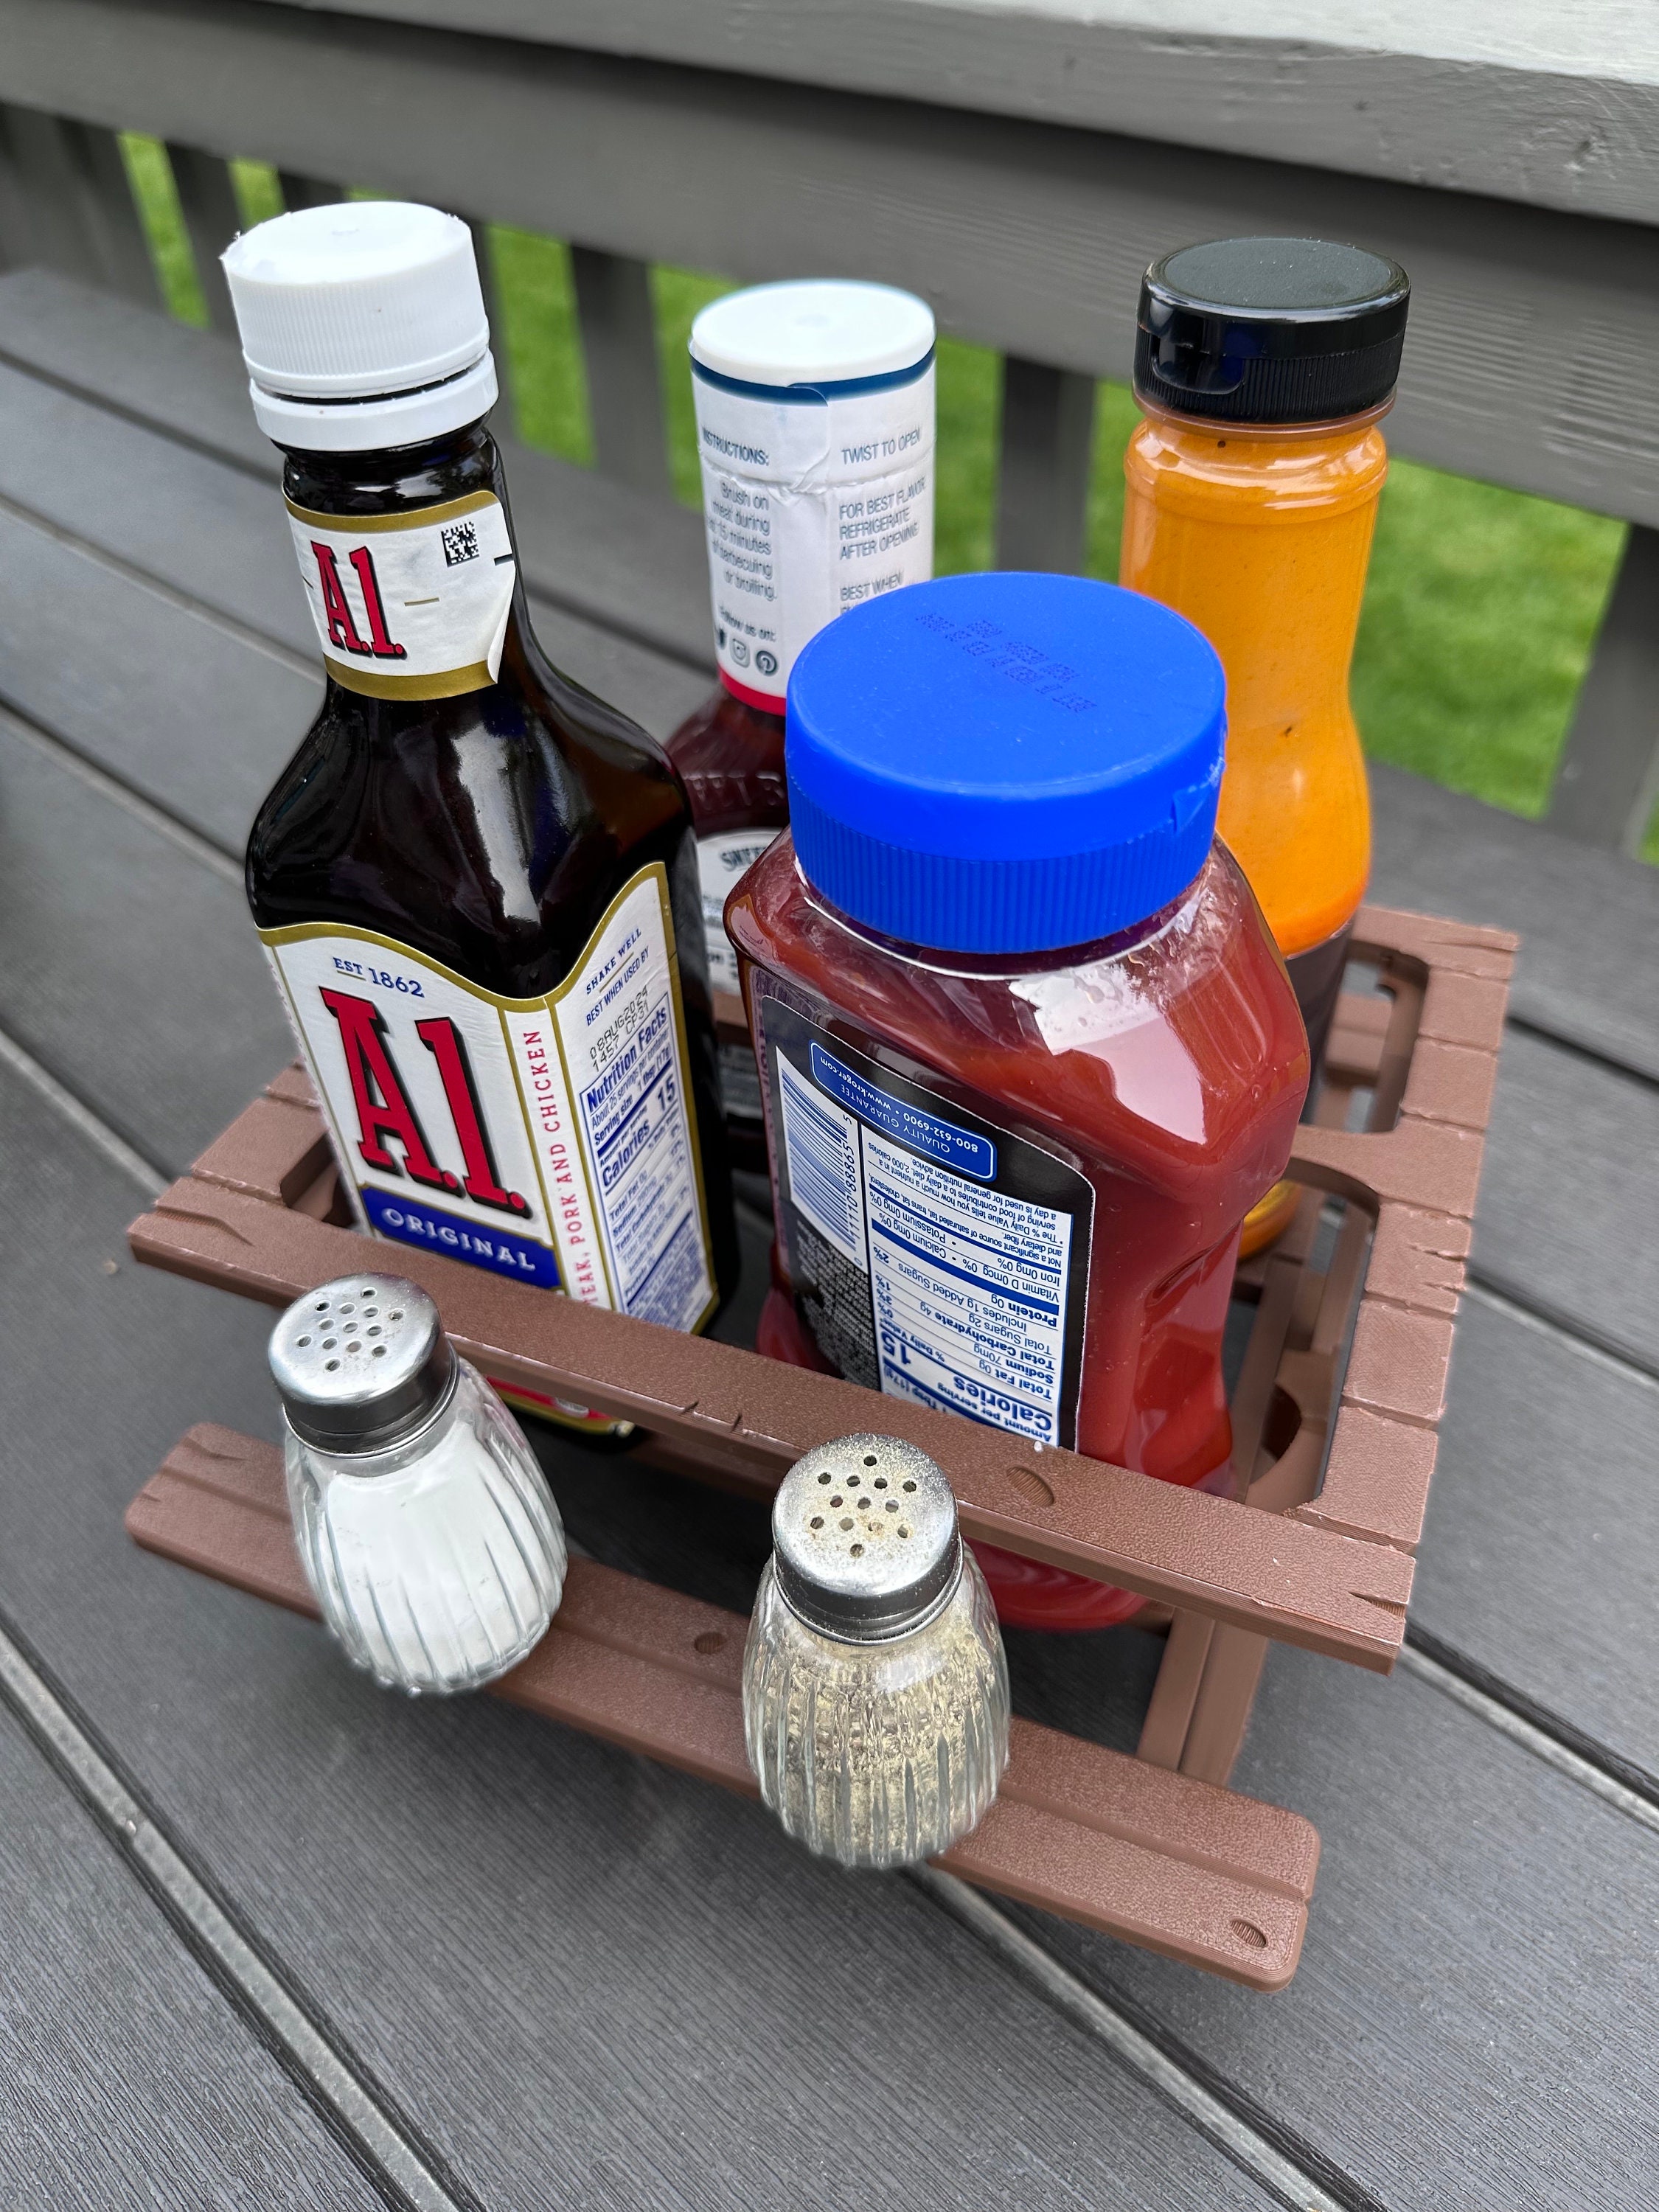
[592, 1981]
[1568, 1213]
[1588, 918]
[595, 547]
[127, 2080]
[132, 971]
[1543, 1525]
[1471, 2023]
[146, 687]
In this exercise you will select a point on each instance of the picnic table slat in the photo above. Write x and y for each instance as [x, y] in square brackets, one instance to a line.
[1195, 1872]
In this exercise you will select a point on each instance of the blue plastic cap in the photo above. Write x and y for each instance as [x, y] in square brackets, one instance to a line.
[1005, 762]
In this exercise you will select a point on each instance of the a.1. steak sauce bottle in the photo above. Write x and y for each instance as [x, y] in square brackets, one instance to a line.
[815, 433]
[476, 882]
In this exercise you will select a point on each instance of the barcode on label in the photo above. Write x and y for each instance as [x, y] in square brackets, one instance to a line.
[821, 1145]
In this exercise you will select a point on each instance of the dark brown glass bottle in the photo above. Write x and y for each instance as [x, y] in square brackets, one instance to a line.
[730, 756]
[477, 883]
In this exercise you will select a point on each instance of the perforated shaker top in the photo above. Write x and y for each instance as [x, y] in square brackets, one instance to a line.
[360, 1362]
[865, 1538]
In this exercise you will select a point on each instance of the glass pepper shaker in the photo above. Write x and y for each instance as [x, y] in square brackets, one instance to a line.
[875, 1691]
[426, 1528]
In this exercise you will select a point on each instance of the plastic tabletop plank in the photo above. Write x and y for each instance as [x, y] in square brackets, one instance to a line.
[1471, 2023]
[580, 1974]
[617, 557]
[1586, 917]
[128, 2078]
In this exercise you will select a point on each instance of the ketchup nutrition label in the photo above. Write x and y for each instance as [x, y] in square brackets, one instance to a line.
[940, 1259]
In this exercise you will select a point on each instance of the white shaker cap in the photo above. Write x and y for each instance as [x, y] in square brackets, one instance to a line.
[362, 324]
[815, 330]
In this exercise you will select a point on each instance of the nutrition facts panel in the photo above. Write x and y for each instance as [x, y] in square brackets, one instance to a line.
[969, 1290]
[936, 1258]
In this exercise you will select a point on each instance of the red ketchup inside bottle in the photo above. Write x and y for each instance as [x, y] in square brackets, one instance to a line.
[1029, 1054]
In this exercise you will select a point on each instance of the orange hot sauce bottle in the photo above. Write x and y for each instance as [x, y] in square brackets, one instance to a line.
[1263, 366]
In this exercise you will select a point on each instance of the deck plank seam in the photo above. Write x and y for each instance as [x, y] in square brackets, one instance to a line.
[1583, 1759]
[90, 396]
[217, 858]
[1497, 1292]
[1529, 1025]
[381, 2141]
[646, 637]
[116, 564]
[71, 1108]
[1292, 2171]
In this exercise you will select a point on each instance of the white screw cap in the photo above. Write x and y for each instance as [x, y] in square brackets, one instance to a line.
[375, 302]
[813, 330]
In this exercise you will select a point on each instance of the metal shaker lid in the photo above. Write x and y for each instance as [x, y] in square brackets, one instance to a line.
[360, 1362]
[864, 1538]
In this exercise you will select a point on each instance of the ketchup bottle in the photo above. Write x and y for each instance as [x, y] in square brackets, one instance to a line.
[815, 428]
[1029, 1051]
[1264, 366]
[475, 883]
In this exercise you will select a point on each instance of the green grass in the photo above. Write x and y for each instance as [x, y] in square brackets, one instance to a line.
[1481, 606]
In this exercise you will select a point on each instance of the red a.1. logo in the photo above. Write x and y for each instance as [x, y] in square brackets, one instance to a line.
[336, 608]
[386, 1115]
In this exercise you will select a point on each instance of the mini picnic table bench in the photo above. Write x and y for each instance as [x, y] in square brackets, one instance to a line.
[445, 1953]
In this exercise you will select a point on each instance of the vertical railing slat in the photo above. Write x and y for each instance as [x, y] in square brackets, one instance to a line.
[52, 217]
[619, 352]
[207, 200]
[1043, 488]
[111, 213]
[1607, 782]
[300, 191]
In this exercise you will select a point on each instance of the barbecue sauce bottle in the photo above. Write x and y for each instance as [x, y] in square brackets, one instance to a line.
[815, 431]
[476, 882]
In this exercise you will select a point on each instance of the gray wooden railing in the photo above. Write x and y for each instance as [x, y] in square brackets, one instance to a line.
[1015, 162]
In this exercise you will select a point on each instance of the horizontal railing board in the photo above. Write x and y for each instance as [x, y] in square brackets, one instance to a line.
[456, 1891]
[1152, 1857]
[1009, 226]
[1521, 99]
[124, 2058]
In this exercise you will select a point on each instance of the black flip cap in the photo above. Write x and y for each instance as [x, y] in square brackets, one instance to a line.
[1270, 329]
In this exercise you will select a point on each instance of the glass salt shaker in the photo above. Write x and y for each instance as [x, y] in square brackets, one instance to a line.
[875, 1691]
[427, 1530]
